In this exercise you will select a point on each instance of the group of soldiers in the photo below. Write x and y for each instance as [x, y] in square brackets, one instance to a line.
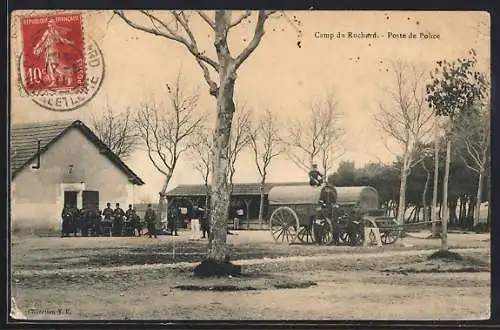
[117, 222]
[108, 222]
[200, 214]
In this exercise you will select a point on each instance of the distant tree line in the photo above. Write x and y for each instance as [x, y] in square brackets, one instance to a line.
[386, 179]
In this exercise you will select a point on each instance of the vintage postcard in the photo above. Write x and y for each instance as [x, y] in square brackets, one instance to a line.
[250, 165]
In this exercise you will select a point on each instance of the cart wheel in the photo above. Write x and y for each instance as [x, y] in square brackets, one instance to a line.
[305, 235]
[284, 225]
[390, 235]
[351, 238]
[344, 237]
[325, 235]
[369, 222]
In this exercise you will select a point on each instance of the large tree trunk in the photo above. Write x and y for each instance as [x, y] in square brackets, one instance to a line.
[462, 217]
[470, 208]
[444, 220]
[479, 197]
[452, 208]
[207, 201]
[261, 205]
[424, 195]
[488, 182]
[436, 181]
[402, 191]
[219, 195]
[162, 201]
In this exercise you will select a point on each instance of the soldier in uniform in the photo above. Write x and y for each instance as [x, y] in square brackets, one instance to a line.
[150, 218]
[107, 213]
[99, 227]
[131, 218]
[173, 220]
[93, 221]
[315, 177]
[67, 219]
[75, 220]
[205, 225]
[84, 222]
[119, 214]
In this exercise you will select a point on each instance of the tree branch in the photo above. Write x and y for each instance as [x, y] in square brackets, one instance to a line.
[240, 19]
[252, 45]
[207, 19]
[170, 34]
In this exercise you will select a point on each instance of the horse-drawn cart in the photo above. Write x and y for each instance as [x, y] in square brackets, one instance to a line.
[364, 203]
[296, 211]
[327, 215]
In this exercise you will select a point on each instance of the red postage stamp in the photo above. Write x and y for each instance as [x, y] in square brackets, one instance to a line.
[54, 52]
[60, 67]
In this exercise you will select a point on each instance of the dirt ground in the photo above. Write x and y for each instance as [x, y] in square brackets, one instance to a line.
[141, 278]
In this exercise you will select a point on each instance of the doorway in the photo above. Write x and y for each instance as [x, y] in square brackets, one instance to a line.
[70, 198]
[90, 199]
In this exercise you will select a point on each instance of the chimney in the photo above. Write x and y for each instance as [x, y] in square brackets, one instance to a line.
[38, 154]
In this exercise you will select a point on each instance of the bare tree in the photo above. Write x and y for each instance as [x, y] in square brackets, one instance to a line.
[320, 136]
[436, 178]
[266, 145]
[165, 131]
[406, 119]
[203, 153]
[240, 139]
[473, 131]
[117, 131]
[176, 26]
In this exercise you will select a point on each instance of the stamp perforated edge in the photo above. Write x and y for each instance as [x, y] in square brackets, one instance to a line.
[20, 50]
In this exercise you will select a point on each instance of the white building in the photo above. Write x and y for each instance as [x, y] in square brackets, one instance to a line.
[59, 163]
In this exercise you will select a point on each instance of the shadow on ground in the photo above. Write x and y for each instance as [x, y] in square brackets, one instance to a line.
[143, 255]
[443, 262]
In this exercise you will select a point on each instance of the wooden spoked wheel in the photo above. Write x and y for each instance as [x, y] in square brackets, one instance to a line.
[284, 225]
[351, 238]
[390, 235]
[322, 231]
[344, 237]
[305, 235]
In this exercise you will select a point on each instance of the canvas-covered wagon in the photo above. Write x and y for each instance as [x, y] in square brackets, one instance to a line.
[297, 210]
[327, 215]
[363, 203]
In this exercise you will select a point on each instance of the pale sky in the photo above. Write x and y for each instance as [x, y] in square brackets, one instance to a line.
[278, 75]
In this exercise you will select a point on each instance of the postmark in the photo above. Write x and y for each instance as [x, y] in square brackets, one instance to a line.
[59, 69]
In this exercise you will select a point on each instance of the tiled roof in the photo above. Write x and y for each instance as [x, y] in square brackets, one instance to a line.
[238, 188]
[24, 139]
[24, 145]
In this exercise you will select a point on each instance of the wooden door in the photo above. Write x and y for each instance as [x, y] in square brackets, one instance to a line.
[70, 198]
[90, 199]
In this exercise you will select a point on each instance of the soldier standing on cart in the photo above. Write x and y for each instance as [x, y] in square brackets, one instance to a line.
[150, 218]
[315, 177]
